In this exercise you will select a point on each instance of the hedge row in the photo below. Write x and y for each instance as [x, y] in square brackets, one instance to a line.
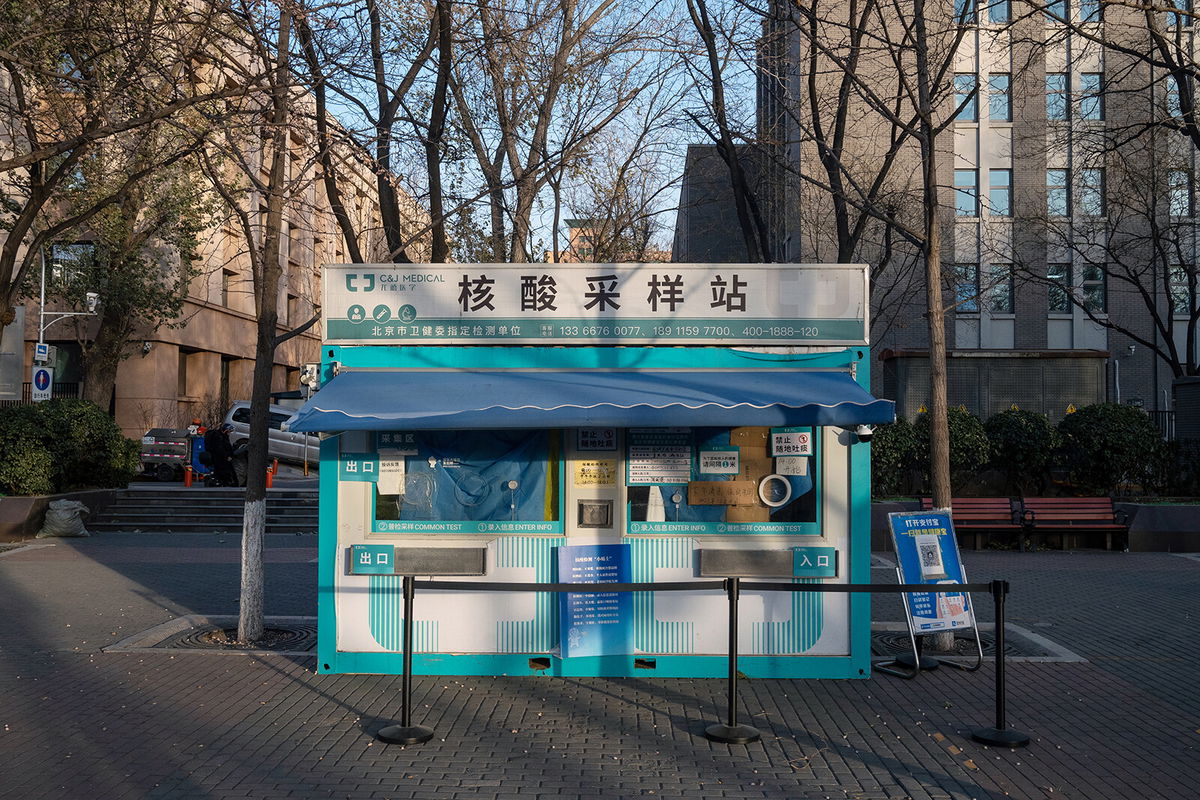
[1101, 449]
[62, 446]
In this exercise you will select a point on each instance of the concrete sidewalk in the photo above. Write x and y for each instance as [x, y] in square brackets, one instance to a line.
[77, 722]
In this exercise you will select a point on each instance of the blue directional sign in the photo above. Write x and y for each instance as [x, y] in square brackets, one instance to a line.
[927, 552]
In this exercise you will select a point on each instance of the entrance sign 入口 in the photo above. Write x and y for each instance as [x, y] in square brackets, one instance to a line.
[927, 552]
[732, 304]
[595, 624]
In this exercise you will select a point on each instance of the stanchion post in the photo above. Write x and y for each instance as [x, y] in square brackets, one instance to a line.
[1000, 735]
[406, 732]
[732, 733]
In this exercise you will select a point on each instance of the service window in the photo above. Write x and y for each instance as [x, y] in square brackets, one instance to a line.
[467, 482]
[722, 480]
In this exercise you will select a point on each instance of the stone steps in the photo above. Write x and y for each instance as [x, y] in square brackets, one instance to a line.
[204, 510]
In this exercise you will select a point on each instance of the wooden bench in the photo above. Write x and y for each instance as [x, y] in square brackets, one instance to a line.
[982, 515]
[1074, 515]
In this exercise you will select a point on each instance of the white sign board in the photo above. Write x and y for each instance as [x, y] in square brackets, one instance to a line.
[42, 384]
[41, 352]
[730, 304]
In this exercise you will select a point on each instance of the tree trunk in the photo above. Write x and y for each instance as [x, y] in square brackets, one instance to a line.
[250, 615]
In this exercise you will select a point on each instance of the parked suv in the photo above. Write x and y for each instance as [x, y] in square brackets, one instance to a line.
[284, 445]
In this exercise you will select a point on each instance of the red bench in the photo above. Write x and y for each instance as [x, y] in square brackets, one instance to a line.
[982, 515]
[1068, 516]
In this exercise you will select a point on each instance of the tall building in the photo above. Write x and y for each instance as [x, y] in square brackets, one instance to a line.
[1067, 195]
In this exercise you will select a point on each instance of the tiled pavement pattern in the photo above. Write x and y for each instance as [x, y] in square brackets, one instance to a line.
[80, 723]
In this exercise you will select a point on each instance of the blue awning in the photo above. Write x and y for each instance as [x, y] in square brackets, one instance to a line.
[493, 399]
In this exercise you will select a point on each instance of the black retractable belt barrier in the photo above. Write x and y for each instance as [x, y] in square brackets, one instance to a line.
[730, 732]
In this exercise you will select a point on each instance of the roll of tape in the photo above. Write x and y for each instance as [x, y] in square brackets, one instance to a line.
[787, 490]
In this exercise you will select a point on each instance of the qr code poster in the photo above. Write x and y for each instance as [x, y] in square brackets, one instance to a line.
[927, 552]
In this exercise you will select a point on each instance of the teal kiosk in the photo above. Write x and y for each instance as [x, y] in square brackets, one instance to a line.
[591, 423]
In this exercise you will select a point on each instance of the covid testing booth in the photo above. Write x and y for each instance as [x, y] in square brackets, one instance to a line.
[591, 423]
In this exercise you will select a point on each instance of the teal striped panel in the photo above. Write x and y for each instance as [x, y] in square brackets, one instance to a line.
[797, 634]
[535, 635]
[385, 597]
[651, 635]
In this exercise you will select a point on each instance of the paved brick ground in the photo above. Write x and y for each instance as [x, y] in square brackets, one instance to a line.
[79, 723]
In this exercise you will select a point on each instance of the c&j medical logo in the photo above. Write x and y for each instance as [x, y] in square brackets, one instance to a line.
[356, 282]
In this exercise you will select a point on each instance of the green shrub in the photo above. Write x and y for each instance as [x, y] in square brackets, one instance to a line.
[1107, 444]
[1021, 445]
[61, 446]
[968, 444]
[893, 450]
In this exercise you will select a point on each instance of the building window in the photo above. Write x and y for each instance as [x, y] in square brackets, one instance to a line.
[964, 97]
[966, 193]
[1058, 193]
[964, 11]
[1000, 192]
[1174, 104]
[227, 278]
[1182, 295]
[1094, 289]
[1059, 295]
[1089, 10]
[1000, 97]
[998, 11]
[1090, 201]
[1179, 193]
[1057, 95]
[1056, 10]
[966, 288]
[1091, 95]
[1000, 291]
[70, 263]
[1182, 19]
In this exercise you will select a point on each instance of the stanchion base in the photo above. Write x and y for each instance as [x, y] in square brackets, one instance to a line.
[732, 734]
[1006, 737]
[927, 662]
[399, 734]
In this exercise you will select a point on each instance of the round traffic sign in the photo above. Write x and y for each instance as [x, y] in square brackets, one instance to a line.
[41, 379]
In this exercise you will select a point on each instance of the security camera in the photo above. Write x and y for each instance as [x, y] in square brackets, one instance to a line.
[864, 433]
[93, 300]
[146, 347]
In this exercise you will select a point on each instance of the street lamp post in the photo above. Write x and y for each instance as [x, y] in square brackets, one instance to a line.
[43, 377]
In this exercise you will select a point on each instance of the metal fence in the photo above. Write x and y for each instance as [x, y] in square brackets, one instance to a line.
[1165, 420]
[57, 390]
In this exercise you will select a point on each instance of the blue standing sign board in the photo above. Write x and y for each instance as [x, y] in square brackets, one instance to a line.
[927, 552]
[595, 624]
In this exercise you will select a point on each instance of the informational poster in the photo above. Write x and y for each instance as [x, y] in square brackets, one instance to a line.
[596, 472]
[391, 472]
[659, 456]
[597, 439]
[595, 624]
[718, 461]
[927, 552]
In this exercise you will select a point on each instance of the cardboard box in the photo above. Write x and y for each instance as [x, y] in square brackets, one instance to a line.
[721, 493]
[755, 469]
[750, 437]
[748, 513]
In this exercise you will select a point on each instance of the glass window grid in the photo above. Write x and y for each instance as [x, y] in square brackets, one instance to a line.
[1180, 20]
[966, 288]
[1091, 95]
[1056, 11]
[1000, 192]
[964, 11]
[1179, 193]
[1089, 11]
[1174, 104]
[1057, 95]
[999, 12]
[1182, 301]
[1000, 97]
[1001, 291]
[1058, 193]
[1090, 196]
[1094, 289]
[1058, 296]
[966, 193]
[966, 99]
